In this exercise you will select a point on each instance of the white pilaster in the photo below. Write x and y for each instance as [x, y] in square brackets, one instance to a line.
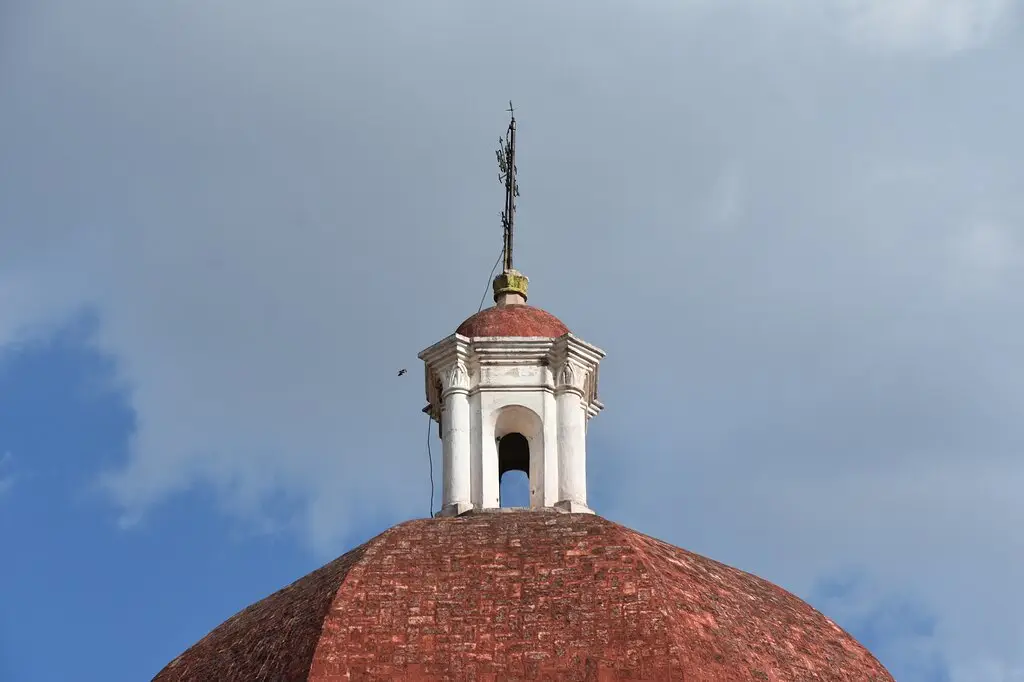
[572, 437]
[456, 495]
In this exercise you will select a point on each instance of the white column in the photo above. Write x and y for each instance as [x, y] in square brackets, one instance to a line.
[456, 492]
[572, 438]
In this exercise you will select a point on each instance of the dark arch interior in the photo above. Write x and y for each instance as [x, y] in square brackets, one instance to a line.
[513, 454]
[514, 459]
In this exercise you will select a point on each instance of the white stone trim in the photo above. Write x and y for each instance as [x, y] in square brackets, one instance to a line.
[456, 378]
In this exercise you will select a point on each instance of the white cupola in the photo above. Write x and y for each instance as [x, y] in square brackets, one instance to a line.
[512, 390]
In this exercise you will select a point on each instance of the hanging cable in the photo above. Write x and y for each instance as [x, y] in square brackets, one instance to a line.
[490, 278]
[430, 458]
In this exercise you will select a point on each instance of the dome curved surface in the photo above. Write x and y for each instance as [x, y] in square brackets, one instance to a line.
[513, 320]
[526, 596]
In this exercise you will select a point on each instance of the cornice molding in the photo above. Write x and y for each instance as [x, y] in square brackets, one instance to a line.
[454, 364]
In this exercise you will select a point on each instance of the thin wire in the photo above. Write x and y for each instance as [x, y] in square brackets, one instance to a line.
[489, 278]
[430, 458]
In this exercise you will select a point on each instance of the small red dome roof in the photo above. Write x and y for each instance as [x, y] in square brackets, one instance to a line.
[513, 320]
[527, 596]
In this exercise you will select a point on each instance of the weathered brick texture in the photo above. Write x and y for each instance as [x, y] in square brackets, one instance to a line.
[513, 320]
[527, 596]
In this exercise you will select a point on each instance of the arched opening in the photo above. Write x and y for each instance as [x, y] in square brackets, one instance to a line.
[519, 452]
[513, 460]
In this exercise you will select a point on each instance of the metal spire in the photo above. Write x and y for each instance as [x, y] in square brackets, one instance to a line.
[511, 285]
[507, 175]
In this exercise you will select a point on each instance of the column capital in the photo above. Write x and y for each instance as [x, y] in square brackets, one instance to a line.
[571, 377]
[455, 379]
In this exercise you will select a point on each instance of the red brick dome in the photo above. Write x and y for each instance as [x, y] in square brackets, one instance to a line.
[526, 596]
[513, 320]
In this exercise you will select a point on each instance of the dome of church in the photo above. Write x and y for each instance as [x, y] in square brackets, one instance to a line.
[526, 595]
[513, 320]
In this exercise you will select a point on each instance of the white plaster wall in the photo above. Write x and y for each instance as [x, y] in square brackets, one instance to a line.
[550, 483]
[521, 376]
[476, 431]
[507, 411]
[488, 478]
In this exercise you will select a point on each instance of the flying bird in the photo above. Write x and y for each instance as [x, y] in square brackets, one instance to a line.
[401, 372]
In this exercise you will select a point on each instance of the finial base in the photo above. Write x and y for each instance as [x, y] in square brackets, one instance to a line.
[510, 287]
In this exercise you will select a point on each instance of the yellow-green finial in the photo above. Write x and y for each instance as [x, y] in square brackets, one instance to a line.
[509, 286]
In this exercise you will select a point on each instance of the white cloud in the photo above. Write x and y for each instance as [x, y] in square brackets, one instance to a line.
[949, 25]
[896, 626]
[984, 256]
[727, 198]
[989, 670]
[934, 27]
[269, 224]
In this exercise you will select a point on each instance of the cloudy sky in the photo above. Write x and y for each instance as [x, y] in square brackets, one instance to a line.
[795, 226]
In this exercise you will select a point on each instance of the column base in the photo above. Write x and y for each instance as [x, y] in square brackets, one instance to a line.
[455, 509]
[572, 507]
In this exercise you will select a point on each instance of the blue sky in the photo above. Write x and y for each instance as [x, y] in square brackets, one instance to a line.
[123, 602]
[795, 227]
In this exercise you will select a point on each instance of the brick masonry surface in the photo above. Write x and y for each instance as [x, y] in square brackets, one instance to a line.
[526, 596]
[513, 320]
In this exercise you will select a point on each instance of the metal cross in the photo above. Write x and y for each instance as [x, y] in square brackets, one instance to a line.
[507, 175]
